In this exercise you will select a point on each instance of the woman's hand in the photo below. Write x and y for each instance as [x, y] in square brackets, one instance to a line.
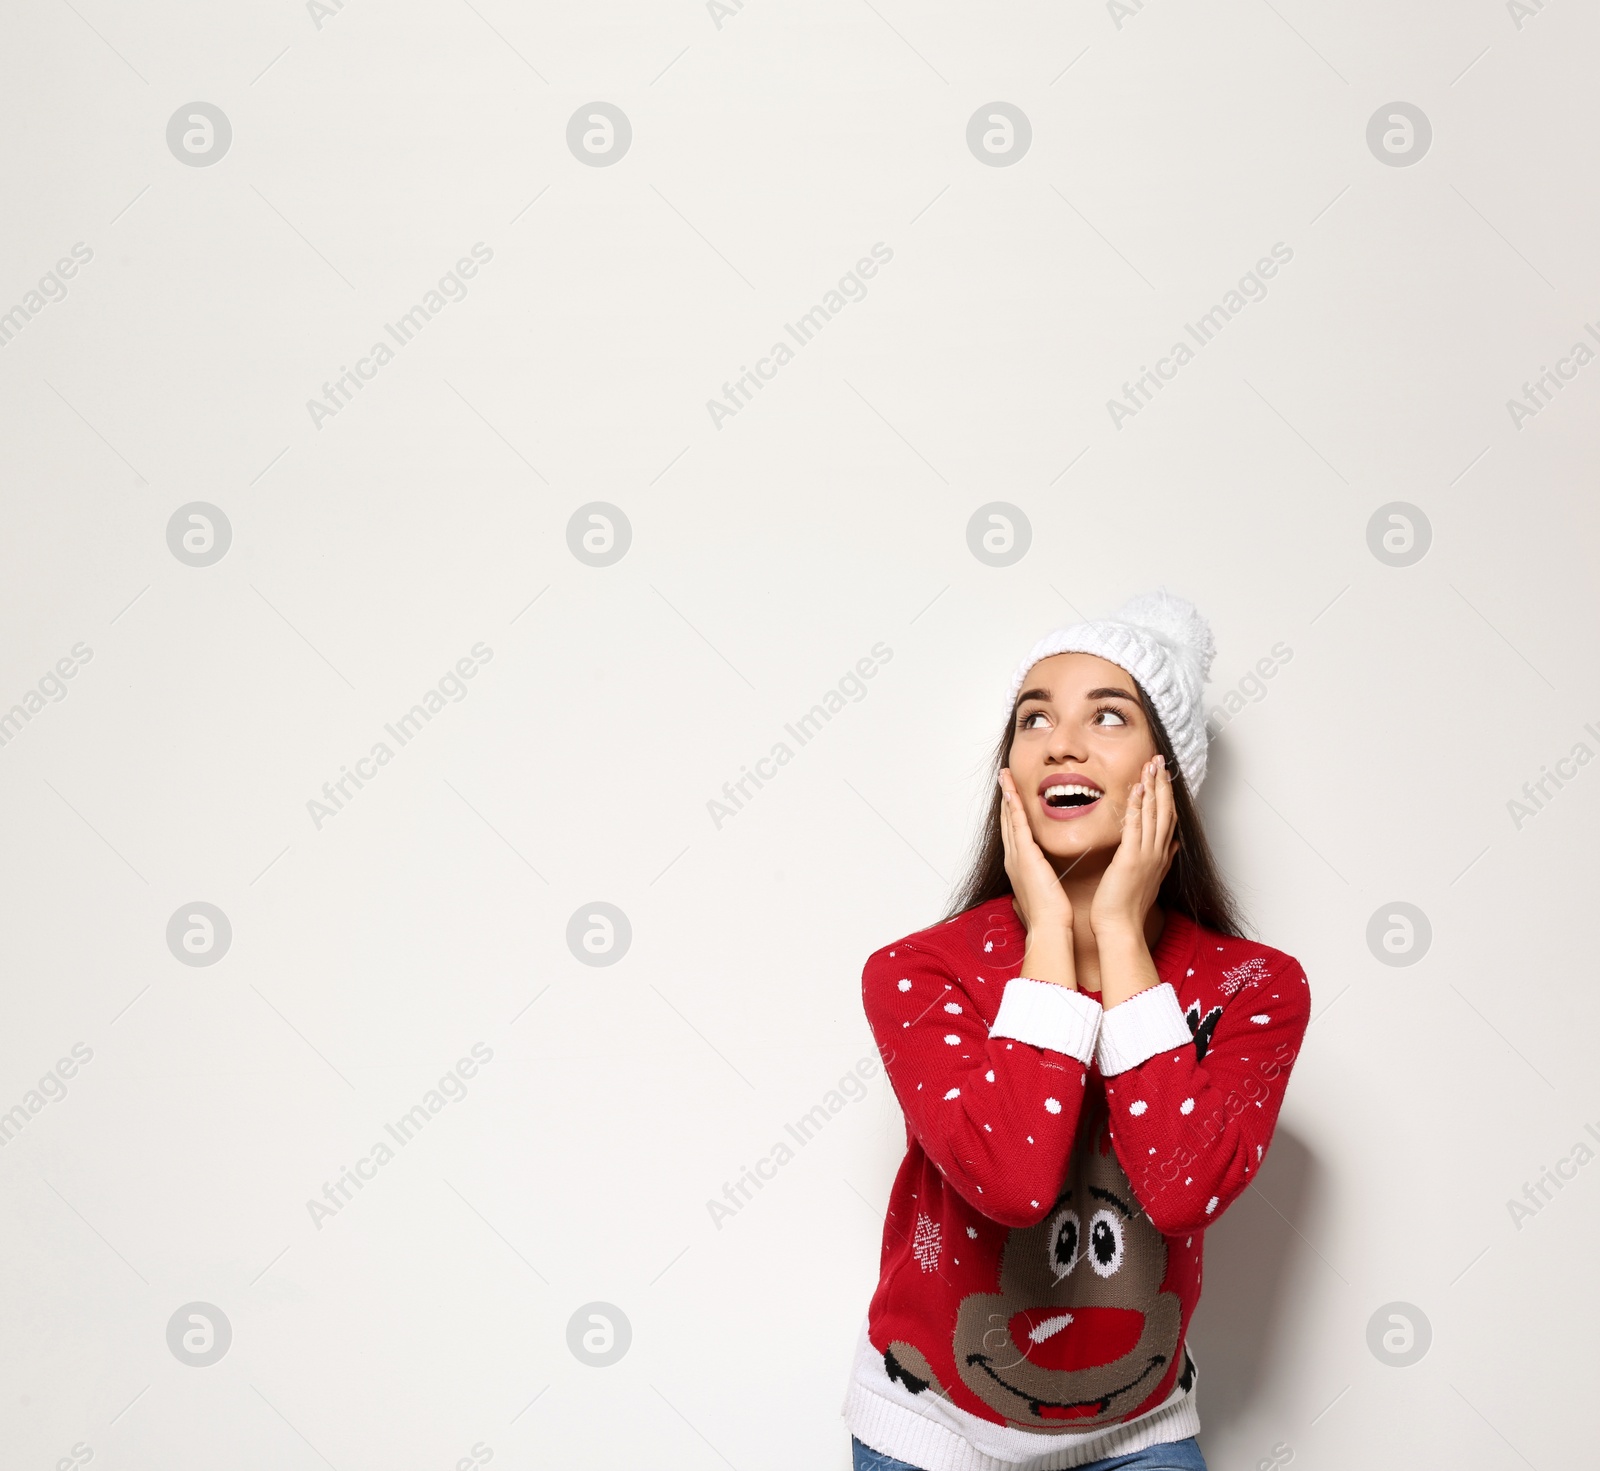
[1132, 879]
[1036, 893]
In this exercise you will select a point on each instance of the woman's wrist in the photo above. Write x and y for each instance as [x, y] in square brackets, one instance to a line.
[1115, 930]
[1048, 957]
[1126, 965]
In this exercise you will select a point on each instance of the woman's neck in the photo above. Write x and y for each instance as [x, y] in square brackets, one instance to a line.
[1080, 889]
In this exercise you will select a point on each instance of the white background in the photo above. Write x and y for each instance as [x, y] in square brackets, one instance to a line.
[1171, 148]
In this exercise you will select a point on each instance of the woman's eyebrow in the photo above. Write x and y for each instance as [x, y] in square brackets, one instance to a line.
[1101, 694]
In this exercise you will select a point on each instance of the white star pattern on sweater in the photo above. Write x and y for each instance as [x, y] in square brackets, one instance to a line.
[925, 1243]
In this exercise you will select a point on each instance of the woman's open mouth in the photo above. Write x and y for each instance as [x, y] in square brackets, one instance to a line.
[1067, 799]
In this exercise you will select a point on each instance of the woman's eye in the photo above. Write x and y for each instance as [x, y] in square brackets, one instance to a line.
[1026, 723]
[1112, 717]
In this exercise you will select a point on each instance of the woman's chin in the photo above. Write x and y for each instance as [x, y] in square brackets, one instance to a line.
[1075, 847]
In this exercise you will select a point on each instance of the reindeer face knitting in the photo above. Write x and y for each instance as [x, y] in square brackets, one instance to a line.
[1080, 1331]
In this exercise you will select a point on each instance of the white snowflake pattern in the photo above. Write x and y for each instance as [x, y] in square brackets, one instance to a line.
[1187, 1106]
[953, 1038]
[1052, 1105]
[1137, 1107]
[972, 1234]
[953, 1093]
[988, 1077]
[1261, 1018]
[1246, 972]
[953, 1007]
[905, 985]
[925, 1242]
[1211, 1205]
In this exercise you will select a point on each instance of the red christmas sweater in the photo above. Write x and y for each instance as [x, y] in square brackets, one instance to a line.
[1041, 1253]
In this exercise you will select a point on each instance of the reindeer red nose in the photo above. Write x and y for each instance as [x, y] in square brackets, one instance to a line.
[1075, 1338]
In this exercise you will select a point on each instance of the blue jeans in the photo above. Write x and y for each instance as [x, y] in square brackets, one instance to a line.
[1179, 1455]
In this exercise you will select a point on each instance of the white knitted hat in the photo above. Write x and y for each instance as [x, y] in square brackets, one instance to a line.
[1165, 643]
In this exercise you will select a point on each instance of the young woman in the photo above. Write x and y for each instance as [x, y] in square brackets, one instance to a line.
[1090, 1057]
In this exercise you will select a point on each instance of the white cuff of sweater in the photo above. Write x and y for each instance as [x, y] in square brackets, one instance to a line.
[1137, 1029]
[1044, 1014]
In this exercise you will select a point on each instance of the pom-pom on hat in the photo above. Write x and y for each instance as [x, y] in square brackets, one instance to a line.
[1165, 643]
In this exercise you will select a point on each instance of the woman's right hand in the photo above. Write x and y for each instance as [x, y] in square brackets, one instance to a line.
[1036, 893]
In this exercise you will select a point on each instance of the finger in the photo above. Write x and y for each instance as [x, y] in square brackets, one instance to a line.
[1148, 810]
[1005, 821]
[1167, 810]
[1160, 793]
[1140, 837]
[1022, 830]
[1131, 814]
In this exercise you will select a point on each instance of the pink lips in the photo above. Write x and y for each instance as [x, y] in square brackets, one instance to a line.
[1067, 814]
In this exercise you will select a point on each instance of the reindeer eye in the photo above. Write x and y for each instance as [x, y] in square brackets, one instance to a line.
[1105, 1242]
[1064, 1244]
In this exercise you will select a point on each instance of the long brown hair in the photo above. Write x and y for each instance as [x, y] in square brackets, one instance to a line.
[1194, 885]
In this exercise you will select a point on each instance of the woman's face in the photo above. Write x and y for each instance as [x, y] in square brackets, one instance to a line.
[1080, 743]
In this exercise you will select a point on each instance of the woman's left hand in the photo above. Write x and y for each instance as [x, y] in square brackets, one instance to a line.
[1149, 843]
